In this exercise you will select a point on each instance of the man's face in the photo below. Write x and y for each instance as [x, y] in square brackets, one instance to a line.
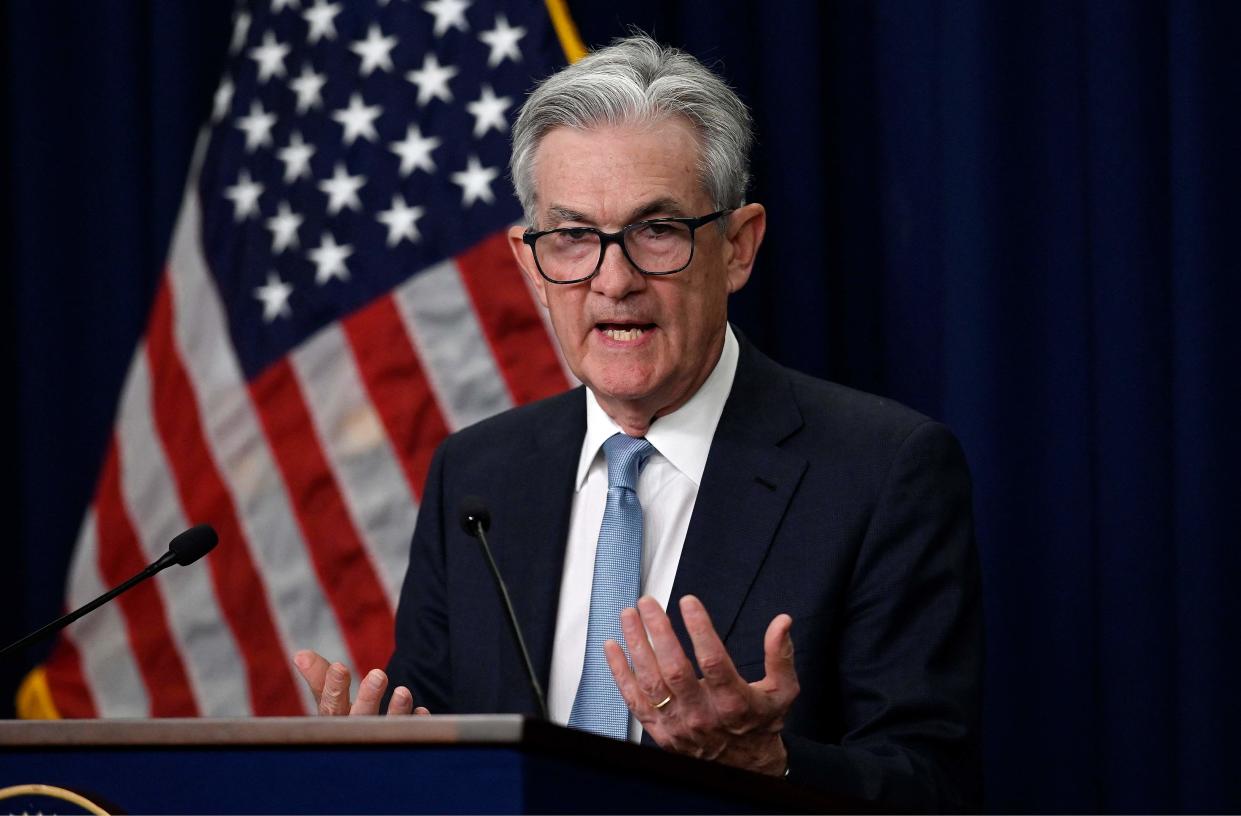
[642, 344]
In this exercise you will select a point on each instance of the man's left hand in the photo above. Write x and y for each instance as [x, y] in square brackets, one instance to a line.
[720, 716]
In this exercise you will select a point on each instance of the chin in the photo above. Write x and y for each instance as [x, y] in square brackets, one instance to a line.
[619, 385]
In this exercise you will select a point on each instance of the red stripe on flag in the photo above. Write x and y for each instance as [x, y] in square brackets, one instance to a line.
[70, 691]
[238, 586]
[398, 387]
[511, 321]
[121, 557]
[344, 568]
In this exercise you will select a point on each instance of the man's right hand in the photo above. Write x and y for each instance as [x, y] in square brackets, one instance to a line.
[329, 682]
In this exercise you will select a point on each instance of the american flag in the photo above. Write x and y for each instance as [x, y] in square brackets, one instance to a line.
[339, 296]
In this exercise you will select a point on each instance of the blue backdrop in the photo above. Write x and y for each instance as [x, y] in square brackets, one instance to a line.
[1012, 216]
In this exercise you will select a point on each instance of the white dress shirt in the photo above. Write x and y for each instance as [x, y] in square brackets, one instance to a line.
[667, 489]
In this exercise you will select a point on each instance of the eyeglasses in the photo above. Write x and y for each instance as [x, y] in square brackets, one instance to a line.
[660, 246]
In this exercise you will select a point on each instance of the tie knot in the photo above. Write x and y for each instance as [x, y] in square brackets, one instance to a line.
[626, 456]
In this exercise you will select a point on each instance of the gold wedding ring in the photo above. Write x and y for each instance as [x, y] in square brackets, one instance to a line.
[663, 702]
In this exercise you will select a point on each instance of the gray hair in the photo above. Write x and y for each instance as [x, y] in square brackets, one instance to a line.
[635, 80]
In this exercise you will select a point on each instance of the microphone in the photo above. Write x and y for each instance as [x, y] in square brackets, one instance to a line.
[476, 521]
[186, 548]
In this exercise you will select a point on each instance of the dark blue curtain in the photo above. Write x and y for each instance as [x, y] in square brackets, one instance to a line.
[1016, 217]
[102, 102]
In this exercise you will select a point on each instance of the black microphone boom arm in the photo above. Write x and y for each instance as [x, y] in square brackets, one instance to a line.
[186, 548]
[475, 520]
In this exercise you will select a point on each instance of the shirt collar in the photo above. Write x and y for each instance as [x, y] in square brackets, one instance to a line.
[682, 437]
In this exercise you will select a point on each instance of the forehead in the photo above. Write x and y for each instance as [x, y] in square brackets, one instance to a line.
[609, 171]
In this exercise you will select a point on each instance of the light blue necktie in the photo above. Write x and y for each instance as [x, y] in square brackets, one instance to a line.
[599, 706]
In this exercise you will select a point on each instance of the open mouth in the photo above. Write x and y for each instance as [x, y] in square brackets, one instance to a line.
[624, 332]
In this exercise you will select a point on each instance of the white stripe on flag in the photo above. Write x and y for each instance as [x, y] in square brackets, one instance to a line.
[203, 639]
[303, 616]
[102, 640]
[444, 329]
[359, 452]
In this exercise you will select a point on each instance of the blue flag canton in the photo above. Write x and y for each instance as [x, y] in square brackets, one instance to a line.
[354, 144]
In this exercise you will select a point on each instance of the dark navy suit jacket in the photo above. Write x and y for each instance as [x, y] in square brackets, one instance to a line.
[845, 510]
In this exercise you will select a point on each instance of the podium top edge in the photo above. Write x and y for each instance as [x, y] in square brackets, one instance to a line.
[766, 794]
[443, 729]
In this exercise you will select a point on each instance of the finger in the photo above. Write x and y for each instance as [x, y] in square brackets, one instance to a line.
[313, 667]
[678, 673]
[729, 695]
[713, 660]
[335, 698]
[632, 693]
[421, 711]
[781, 679]
[402, 702]
[646, 670]
[625, 680]
[370, 693]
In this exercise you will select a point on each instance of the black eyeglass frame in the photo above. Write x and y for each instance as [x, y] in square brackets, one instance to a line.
[606, 239]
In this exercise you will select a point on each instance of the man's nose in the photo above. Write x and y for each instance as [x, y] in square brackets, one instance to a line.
[617, 276]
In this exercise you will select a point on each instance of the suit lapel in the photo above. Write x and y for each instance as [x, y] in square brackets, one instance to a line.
[745, 491]
[539, 504]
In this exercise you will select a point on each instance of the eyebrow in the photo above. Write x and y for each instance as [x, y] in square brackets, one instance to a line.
[643, 211]
[558, 213]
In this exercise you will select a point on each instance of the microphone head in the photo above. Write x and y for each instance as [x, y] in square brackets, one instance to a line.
[473, 514]
[193, 544]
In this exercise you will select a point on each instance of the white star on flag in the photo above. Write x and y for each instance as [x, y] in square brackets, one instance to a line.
[283, 226]
[270, 57]
[296, 158]
[488, 112]
[307, 86]
[401, 220]
[475, 182]
[223, 100]
[358, 120]
[375, 51]
[342, 190]
[257, 125]
[432, 80]
[448, 14]
[241, 30]
[245, 196]
[415, 151]
[275, 297]
[320, 18]
[329, 259]
[279, 5]
[503, 41]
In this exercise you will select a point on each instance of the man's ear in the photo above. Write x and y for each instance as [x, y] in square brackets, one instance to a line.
[525, 259]
[743, 236]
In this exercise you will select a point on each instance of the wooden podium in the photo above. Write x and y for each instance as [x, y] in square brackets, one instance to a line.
[445, 764]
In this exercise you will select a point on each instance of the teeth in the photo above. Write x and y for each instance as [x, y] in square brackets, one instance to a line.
[623, 334]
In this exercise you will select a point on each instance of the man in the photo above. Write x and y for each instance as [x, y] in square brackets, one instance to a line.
[761, 507]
